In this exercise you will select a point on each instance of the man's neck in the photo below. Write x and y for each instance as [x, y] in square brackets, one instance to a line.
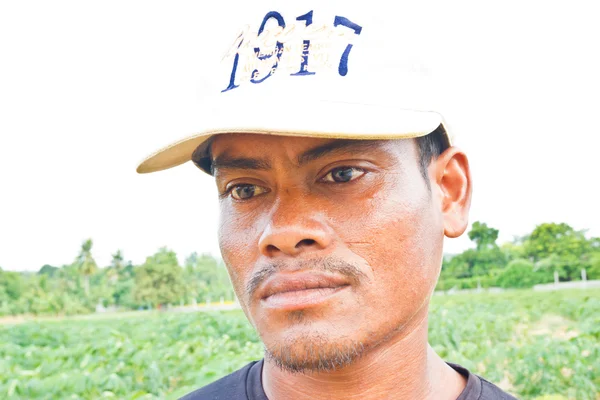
[404, 367]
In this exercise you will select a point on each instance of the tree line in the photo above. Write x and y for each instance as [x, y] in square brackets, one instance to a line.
[82, 286]
[524, 262]
[160, 281]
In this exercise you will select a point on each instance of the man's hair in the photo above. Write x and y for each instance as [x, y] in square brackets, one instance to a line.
[430, 147]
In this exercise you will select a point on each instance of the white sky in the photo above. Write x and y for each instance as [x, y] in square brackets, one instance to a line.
[87, 89]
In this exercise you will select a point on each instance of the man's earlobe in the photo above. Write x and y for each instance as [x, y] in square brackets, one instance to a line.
[453, 177]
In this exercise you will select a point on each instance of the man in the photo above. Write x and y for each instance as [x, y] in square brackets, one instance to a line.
[336, 188]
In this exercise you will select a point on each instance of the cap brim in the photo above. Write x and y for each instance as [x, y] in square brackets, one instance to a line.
[318, 119]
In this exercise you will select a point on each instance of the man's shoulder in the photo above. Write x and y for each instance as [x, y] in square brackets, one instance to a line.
[232, 386]
[478, 388]
[489, 391]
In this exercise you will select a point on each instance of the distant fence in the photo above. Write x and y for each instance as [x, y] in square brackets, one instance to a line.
[541, 287]
[567, 285]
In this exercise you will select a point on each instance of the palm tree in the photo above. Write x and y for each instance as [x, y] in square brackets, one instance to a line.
[117, 260]
[116, 267]
[86, 264]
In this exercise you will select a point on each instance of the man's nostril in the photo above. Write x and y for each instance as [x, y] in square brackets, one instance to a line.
[272, 249]
[305, 242]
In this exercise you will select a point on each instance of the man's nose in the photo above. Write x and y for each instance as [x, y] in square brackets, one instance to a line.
[291, 232]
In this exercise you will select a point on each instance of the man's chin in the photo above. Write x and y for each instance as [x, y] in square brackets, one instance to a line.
[313, 352]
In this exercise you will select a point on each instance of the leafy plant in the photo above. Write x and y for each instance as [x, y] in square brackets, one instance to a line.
[536, 345]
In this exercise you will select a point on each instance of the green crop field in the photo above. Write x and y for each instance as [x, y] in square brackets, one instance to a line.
[535, 345]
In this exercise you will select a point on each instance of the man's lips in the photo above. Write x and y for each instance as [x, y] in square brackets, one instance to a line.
[297, 290]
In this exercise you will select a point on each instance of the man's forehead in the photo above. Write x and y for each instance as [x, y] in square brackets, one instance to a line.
[266, 145]
[247, 143]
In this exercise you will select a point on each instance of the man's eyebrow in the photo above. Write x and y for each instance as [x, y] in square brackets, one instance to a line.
[225, 161]
[336, 146]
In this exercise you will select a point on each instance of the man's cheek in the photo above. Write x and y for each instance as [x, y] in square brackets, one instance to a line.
[236, 252]
[393, 238]
[236, 232]
[379, 221]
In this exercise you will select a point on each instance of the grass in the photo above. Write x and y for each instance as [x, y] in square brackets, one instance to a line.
[535, 345]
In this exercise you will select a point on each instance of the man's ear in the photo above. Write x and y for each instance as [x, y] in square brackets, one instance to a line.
[453, 178]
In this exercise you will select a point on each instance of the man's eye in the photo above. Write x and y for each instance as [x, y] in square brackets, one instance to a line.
[343, 174]
[246, 192]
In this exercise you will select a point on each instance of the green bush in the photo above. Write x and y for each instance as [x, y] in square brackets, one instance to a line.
[593, 272]
[518, 273]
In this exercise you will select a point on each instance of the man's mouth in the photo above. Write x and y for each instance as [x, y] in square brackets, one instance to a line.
[298, 290]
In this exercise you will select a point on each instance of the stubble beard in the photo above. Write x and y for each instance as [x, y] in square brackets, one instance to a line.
[314, 353]
[317, 352]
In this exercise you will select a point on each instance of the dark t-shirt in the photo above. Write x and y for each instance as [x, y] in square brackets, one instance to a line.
[246, 384]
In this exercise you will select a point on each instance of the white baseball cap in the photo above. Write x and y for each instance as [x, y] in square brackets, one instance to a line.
[351, 70]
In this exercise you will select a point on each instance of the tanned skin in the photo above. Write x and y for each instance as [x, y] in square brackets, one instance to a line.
[362, 213]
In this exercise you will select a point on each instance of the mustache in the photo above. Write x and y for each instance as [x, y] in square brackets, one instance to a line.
[330, 264]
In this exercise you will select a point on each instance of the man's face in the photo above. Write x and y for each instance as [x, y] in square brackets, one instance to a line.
[333, 246]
